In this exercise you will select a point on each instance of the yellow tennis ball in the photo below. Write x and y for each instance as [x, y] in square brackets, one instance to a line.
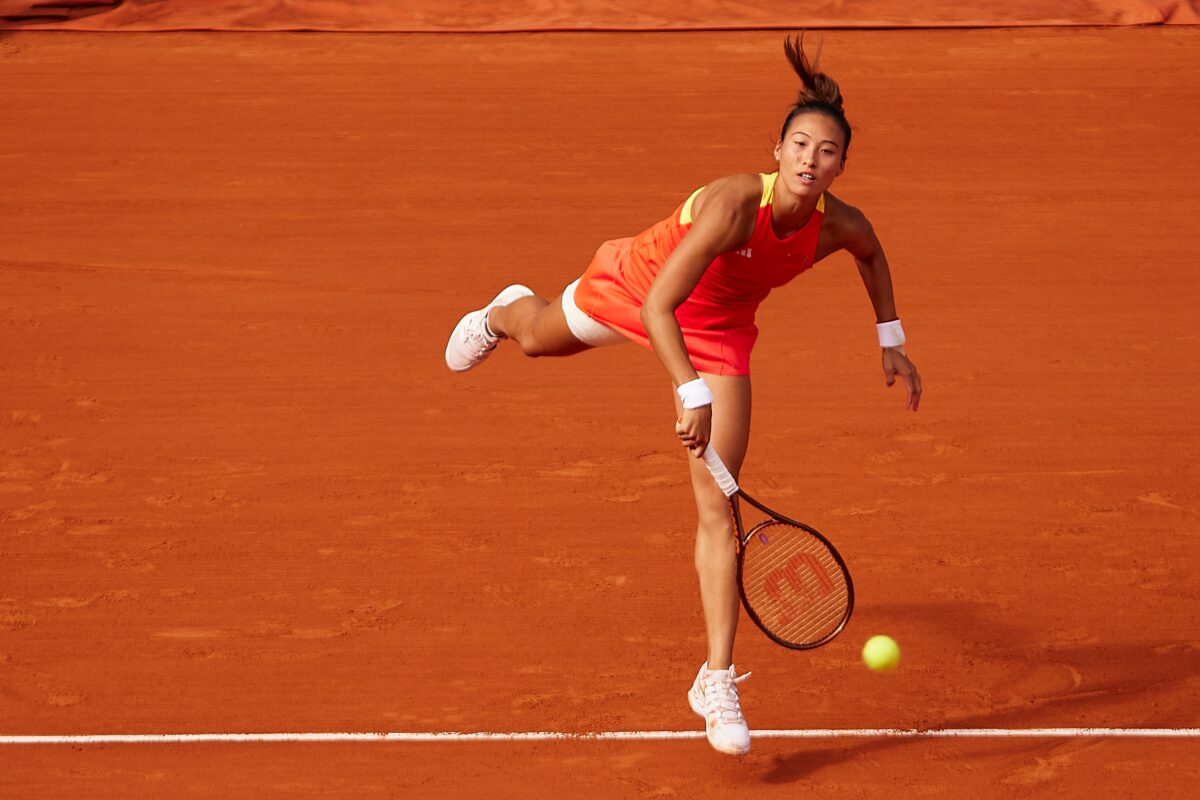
[881, 653]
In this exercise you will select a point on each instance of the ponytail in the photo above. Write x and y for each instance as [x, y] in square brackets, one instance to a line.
[818, 92]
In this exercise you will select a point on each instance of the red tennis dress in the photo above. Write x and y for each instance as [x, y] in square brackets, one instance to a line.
[717, 319]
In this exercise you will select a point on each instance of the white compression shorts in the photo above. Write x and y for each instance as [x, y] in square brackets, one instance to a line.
[584, 328]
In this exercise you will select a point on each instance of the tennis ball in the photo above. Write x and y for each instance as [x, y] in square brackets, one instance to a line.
[881, 653]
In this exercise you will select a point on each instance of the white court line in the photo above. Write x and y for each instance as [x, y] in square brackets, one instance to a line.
[542, 736]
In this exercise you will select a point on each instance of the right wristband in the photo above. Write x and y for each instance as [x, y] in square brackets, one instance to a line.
[695, 394]
[891, 334]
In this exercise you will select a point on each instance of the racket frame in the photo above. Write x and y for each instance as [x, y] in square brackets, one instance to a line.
[734, 493]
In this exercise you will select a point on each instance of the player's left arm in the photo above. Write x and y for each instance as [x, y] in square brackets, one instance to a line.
[857, 237]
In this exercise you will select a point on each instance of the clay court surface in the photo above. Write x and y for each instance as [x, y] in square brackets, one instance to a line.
[240, 492]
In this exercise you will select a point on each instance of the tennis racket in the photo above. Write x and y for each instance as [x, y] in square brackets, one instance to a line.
[793, 583]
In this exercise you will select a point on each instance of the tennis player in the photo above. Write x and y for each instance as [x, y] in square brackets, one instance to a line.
[688, 288]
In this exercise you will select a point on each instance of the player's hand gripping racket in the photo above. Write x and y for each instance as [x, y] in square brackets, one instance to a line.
[793, 583]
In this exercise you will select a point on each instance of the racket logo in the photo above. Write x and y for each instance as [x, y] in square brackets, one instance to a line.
[788, 589]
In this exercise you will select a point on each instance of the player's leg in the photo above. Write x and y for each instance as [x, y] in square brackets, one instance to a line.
[716, 553]
[541, 328]
[714, 693]
[538, 326]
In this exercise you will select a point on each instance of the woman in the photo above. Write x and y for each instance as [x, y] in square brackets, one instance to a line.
[688, 288]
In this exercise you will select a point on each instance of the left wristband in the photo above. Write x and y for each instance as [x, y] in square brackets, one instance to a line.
[891, 334]
[695, 394]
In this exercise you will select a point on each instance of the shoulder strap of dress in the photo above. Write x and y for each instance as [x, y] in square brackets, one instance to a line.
[768, 189]
[685, 213]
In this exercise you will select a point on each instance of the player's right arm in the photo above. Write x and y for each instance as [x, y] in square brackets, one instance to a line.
[723, 220]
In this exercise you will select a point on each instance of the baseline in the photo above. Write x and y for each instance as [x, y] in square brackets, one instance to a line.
[541, 736]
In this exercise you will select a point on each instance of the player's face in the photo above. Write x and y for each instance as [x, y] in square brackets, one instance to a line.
[811, 154]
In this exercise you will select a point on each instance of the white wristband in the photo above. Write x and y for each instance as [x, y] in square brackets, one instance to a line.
[695, 394]
[891, 334]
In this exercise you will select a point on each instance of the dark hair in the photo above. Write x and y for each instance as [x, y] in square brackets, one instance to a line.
[819, 93]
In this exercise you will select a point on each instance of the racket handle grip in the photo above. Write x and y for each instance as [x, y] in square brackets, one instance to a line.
[721, 474]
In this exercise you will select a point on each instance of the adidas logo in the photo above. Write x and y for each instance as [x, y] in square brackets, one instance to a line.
[744, 253]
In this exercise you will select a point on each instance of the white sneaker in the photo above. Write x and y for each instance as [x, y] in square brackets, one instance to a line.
[470, 343]
[714, 696]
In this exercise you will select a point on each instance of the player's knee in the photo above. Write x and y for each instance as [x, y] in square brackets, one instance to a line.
[715, 527]
[544, 340]
[532, 347]
[712, 507]
[532, 338]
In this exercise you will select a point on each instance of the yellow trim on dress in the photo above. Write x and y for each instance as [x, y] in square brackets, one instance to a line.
[685, 214]
[768, 192]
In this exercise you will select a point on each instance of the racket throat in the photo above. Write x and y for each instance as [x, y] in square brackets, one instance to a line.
[739, 529]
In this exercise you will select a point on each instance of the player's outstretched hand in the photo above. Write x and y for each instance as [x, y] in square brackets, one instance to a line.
[694, 429]
[895, 362]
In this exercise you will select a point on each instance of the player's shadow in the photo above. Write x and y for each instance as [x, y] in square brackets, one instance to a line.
[1122, 672]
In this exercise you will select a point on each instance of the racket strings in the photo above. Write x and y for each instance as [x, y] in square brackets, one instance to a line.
[793, 582]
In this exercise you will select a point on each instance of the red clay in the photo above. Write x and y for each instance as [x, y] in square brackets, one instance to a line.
[240, 491]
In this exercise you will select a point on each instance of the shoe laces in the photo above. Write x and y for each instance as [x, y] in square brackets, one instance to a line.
[720, 695]
[476, 339]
